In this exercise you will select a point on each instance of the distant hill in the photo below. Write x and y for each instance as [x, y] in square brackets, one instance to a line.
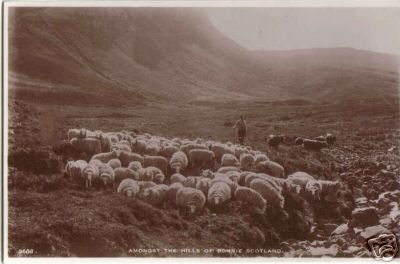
[333, 73]
[114, 56]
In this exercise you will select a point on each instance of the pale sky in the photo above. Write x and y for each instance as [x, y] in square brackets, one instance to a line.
[375, 29]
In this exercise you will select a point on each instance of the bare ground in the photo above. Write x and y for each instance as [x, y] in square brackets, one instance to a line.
[54, 217]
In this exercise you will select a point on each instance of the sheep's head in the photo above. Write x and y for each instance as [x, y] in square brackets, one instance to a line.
[217, 200]
[105, 179]
[129, 193]
[88, 179]
[207, 174]
[192, 208]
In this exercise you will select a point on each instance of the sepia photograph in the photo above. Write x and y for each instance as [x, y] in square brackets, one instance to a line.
[214, 130]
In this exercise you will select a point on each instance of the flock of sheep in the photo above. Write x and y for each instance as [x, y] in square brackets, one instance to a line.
[157, 170]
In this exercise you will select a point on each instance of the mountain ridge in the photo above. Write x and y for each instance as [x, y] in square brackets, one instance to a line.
[124, 56]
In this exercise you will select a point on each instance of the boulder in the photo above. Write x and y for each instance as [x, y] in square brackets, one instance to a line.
[342, 229]
[329, 227]
[371, 231]
[364, 217]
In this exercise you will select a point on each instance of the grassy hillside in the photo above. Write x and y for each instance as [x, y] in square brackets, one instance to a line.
[114, 56]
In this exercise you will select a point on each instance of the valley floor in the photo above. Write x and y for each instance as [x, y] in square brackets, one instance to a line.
[56, 218]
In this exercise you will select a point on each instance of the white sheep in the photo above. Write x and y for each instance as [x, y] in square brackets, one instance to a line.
[246, 161]
[156, 161]
[120, 147]
[191, 181]
[128, 187]
[221, 177]
[95, 162]
[106, 174]
[105, 142]
[221, 149]
[138, 146]
[186, 148]
[207, 174]
[219, 193]
[268, 192]
[300, 178]
[268, 178]
[189, 198]
[156, 195]
[271, 168]
[242, 177]
[233, 176]
[74, 169]
[173, 188]
[124, 173]
[90, 172]
[135, 165]
[227, 169]
[168, 150]
[153, 148]
[241, 150]
[143, 185]
[203, 184]
[89, 145]
[229, 160]
[178, 161]
[114, 163]
[113, 137]
[105, 157]
[127, 157]
[177, 177]
[76, 133]
[151, 174]
[259, 157]
[250, 199]
[204, 158]
[314, 187]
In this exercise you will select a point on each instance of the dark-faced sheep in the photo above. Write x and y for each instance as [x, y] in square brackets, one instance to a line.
[314, 145]
[274, 141]
[88, 145]
[330, 139]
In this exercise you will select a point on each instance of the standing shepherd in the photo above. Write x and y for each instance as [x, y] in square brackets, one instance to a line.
[242, 129]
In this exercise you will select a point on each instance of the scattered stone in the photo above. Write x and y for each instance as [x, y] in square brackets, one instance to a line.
[342, 229]
[371, 232]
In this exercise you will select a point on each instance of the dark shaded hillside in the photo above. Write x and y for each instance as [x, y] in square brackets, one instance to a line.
[129, 56]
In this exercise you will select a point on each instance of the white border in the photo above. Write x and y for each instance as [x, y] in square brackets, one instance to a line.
[167, 3]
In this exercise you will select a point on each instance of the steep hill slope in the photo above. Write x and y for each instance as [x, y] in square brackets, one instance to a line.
[128, 56]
